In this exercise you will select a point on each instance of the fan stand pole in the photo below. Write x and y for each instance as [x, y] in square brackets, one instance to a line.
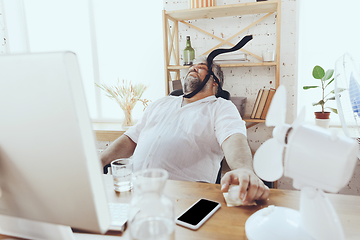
[318, 217]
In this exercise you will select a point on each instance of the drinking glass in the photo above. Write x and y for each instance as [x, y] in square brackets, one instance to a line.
[122, 171]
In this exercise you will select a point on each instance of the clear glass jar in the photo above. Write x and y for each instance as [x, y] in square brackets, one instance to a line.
[151, 214]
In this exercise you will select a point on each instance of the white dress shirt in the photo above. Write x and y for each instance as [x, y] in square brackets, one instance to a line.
[185, 141]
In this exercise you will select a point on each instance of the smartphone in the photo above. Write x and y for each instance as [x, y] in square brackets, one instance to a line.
[198, 213]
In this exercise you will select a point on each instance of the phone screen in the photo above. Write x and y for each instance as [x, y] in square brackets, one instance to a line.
[197, 212]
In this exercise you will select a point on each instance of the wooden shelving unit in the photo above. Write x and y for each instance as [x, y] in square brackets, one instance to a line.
[171, 20]
[224, 10]
[175, 67]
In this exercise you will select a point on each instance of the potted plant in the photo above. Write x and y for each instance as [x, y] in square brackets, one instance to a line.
[325, 80]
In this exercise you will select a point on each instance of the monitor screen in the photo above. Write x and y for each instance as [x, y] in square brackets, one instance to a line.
[49, 167]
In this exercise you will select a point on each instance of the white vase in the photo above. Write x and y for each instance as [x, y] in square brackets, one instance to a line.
[324, 123]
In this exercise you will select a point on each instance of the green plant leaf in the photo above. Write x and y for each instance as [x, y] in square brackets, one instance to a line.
[332, 92]
[309, 87]
[332, 98]
[328, 74]
[334, 110]
[318, 72]
[329, 83]
[321, 102]
[341, 89]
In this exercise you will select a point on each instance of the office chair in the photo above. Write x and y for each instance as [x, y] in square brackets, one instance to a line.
[224, 94]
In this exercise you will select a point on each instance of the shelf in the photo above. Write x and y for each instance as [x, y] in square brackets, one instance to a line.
[247, 118]
[247, 64]
[172, 19]
[224, 10]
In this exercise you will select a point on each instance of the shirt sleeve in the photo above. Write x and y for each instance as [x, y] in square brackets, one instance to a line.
[227, 121]
[134, 132]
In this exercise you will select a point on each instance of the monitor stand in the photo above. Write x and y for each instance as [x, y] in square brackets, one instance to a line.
[29, 229]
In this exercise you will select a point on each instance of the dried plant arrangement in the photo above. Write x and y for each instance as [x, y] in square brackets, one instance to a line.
[126, 95]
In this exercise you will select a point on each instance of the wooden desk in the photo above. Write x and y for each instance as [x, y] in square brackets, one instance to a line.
[229, 222]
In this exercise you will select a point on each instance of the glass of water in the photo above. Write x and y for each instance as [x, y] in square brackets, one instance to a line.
[122, 171]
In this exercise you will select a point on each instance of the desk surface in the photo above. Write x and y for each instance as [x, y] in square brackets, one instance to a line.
[229, 222]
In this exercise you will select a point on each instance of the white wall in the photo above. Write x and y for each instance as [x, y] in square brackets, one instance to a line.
[246, 81]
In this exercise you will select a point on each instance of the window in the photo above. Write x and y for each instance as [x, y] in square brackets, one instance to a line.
[124, 41]
[326, 31]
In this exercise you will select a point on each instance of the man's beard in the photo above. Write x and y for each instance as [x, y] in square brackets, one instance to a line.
[191, 83]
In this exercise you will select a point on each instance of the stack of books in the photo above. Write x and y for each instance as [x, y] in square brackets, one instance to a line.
[262, 103]
[228, 58]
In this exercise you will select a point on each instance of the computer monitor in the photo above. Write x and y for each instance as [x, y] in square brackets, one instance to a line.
[50, 171]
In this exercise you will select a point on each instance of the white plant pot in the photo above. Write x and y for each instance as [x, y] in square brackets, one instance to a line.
[324, 123]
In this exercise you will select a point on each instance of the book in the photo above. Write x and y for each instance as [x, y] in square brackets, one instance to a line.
[256, 104]
[219, 62]
[267, 104]
[262, 103]
[231, 56]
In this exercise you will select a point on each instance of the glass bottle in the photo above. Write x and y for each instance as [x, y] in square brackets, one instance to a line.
[151, 215]
[189, 53]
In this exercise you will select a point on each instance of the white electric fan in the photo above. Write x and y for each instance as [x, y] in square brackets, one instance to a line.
[317, 160]
[347, 95]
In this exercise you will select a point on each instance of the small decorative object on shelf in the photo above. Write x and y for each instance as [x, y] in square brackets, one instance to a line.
[268, 55]
[189, 53]
[126, 95]
[201, 3]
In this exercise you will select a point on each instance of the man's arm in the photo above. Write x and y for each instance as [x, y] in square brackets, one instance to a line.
[123, 147]
[238, 156]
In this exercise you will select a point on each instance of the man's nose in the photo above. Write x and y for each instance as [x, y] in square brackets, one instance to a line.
[193, 69]
[196, 68]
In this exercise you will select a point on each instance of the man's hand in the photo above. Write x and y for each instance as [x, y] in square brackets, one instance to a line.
[251, 187]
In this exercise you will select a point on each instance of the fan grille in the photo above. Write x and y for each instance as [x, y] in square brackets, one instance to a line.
[345, 93]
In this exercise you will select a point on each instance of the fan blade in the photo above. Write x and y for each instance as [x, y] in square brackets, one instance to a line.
[277, 111]
[300, 118]
[268, 160]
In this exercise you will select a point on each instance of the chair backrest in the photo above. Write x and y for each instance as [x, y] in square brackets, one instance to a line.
[224, 94]
[177, 92]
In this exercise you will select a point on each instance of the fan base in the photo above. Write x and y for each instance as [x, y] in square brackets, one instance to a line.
[274, 223]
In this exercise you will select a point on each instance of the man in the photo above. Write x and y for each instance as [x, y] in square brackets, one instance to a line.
[189, 136]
